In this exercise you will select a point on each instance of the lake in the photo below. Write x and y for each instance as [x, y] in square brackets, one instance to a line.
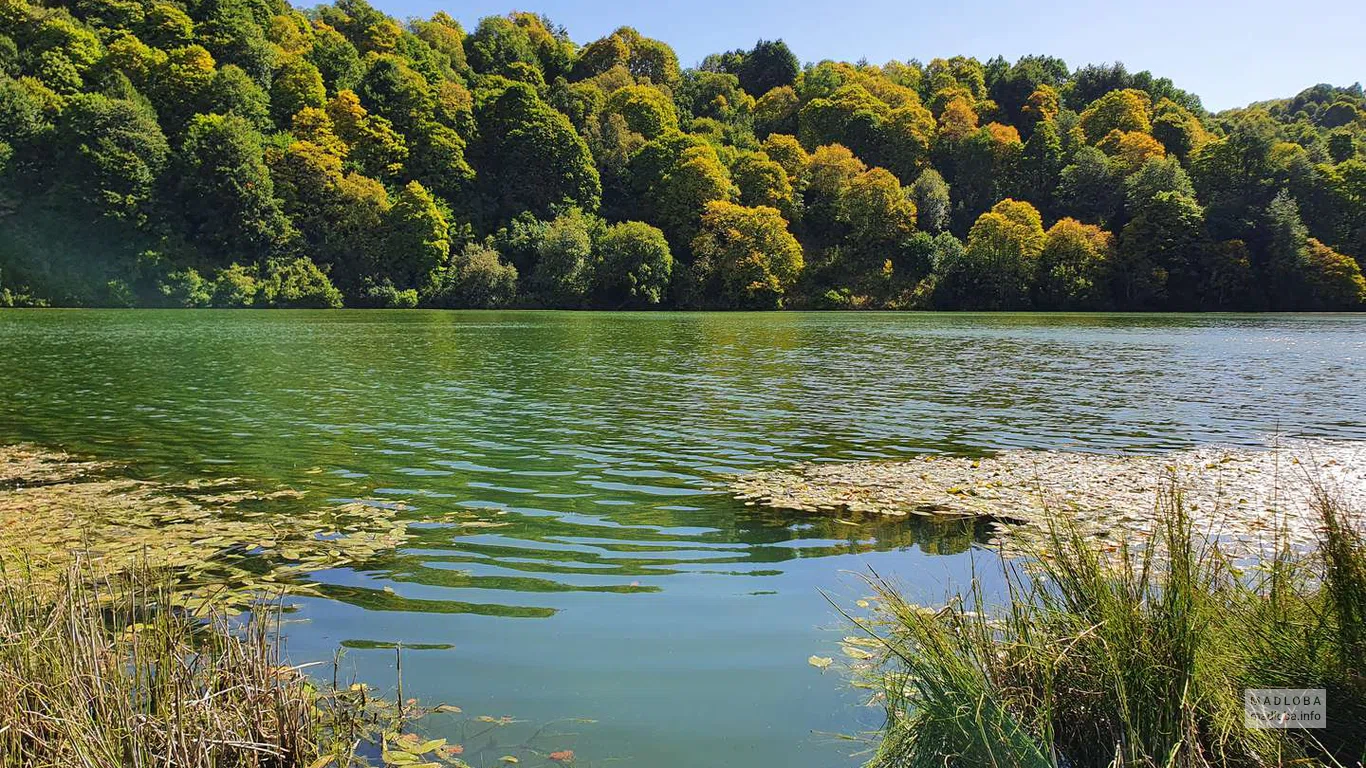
[610, 577]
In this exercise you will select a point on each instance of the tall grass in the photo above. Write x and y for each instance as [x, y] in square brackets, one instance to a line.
[105, 675]
[1132, 658]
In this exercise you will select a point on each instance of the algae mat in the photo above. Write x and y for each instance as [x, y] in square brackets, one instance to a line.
[1237, 495]
[219, 536]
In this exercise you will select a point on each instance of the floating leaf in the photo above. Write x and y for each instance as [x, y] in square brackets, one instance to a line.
[820, 662]
[427, 746]
[509, 759]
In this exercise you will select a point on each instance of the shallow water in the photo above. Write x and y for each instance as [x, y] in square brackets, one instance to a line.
[612, 580]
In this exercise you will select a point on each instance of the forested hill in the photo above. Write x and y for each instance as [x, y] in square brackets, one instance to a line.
[246, 153]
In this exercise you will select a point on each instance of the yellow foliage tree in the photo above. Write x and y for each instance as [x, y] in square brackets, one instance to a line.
[1124, 110]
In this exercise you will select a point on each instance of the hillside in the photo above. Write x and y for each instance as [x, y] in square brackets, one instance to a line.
[235, 153]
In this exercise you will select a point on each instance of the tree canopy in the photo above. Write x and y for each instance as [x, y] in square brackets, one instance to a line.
[234, 154]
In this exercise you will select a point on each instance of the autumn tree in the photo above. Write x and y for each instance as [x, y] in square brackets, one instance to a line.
[744, 257]
[997, 268]
[1074, 267]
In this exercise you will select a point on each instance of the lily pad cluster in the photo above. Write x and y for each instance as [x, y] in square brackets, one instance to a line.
[1239, 495]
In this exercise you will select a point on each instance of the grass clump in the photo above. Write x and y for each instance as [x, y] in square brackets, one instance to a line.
[110, 672]
[1136, 655]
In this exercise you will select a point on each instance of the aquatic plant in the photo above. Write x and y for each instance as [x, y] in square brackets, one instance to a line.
[216, 536]
[1133, 657]
[140, 626]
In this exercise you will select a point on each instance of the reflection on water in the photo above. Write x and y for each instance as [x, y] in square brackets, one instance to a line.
[587, 451]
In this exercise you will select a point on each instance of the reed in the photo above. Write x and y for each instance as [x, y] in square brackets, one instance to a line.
[105, 673]
[1134, 657]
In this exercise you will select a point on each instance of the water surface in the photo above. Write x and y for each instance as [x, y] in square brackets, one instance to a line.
[607, 577]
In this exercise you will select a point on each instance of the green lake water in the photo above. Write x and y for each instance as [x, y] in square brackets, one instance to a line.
[618, 583]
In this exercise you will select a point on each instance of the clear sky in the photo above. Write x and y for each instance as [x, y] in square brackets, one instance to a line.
[1229, 53]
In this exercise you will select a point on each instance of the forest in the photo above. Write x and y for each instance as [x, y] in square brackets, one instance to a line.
[246, 153]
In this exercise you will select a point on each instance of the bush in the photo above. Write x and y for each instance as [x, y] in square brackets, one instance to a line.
[633, 266]
[299, 284]
[476, 277]
[234, 287]
[185, 288]
[382, 293]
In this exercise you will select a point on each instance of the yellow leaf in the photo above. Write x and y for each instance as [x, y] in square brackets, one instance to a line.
[509, 759]
[820, 662]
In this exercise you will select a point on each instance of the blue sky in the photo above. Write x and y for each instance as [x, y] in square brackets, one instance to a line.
[1228, 52]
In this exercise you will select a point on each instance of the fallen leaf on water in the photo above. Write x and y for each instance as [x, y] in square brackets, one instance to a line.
[820, 662]
[563, 756]
[428, 746]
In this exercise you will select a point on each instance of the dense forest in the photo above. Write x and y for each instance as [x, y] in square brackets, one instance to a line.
[234, 153]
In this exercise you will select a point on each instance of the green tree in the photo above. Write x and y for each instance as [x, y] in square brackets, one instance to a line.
[225, 191]
[298, 284]
[336, 58]
[786, 151]
[647, 110]
[418, 237]
[1286, 254]
[1233, 178]
[1160, 174]
[675, 176]
[769, 64]
[397, 92]
[930, 194]
[744, 257]
[1091, 188]
[233, 92]
[830, 172]
[111, 154]
[998, 266]
[297, 84]
[880, 217]
[475, 277]
[1041, 164]
[530, 158]
[633, 266]
[762, 181]
[1161, 255]
[341, 217]
[498, 43]
[565, 260]
[1122, 110]
[1332, 281]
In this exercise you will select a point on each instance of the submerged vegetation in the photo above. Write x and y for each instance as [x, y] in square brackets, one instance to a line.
[140, 625]
[236, 153]
[1133, 657]
[222, 546]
